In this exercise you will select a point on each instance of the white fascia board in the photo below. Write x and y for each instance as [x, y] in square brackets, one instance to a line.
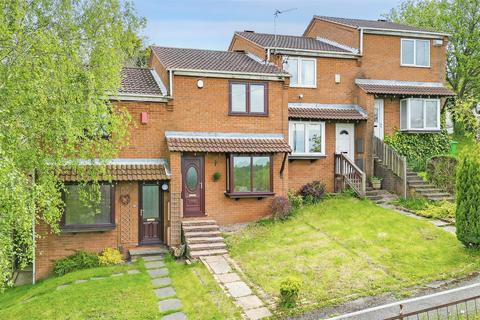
[140, 97]
[405, 33]
[315, 53]
[229, 74]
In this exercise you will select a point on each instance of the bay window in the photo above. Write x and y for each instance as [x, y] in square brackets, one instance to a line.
[307, 138]
[248, 98]
[249, 175]
[80, 213]
[415, 52]
[419, 114]
[303, 72]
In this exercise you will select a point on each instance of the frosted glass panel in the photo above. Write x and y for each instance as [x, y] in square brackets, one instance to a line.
[150, 201]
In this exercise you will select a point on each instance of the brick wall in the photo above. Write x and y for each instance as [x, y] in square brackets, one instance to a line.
[240, 43]
[333, 31]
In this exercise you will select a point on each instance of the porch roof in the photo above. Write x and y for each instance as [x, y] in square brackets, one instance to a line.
[125, 169]
[326, 111]
[226, 142]
[403, 88]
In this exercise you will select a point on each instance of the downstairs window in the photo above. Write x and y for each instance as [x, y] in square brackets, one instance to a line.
[81, 214]
[249, 175]
[420, 114]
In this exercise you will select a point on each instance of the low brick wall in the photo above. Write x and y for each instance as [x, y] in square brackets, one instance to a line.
[390, 182]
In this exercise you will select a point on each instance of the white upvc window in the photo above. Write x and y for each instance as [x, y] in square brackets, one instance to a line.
[415, 53]
[303, 72]
[419, 114]
[307, 137]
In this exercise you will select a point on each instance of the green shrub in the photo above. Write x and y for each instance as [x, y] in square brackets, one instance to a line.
[295, 199]
[79, 260]
[464, 120]
[414, 204]
[468, 198]
[441, 172]
[110, 256]
[289, 289]
[419, 147]
[312, 192]
[444, 210]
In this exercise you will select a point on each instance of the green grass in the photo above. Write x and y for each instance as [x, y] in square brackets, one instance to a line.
[344, 248]
[124, 297]
[414, 204]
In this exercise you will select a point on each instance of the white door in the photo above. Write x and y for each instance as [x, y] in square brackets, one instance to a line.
[378, 130]
[345, 139]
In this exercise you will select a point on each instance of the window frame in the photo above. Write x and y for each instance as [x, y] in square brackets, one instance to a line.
[247, 85]
[300, 72]
[415, 65]
[424, 128]
[307, 146]
[90, 227]
[230, 181]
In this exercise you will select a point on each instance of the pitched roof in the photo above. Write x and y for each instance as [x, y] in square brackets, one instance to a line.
[291, 42]
[380, 24]
[211, 60]
[140, 81]
[326, 111]
[404, 88]
[226, 142]
[127, 170]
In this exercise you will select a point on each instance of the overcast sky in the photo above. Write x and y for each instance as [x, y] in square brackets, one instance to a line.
[209, 24]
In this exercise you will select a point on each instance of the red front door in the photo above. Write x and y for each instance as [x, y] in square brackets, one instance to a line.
[150, 218]
[193, 192]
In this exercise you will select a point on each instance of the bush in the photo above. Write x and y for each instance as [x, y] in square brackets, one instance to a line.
[110, 257]
[444, 210]
[295, 199]
[312, 192]
[419, 147]
[440, 171]
[281, 208]
[289, 289]
[79, 260]
[465, 121]
[468, 198]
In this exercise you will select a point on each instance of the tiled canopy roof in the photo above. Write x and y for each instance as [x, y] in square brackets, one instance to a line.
[226, 142]
[210, 60]
[127, 170]
[360, 23]
[290, 42]
[404, 88]
[325, 111]
[139, 81]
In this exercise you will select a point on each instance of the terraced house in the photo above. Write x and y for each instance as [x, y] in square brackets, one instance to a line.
[217, 134]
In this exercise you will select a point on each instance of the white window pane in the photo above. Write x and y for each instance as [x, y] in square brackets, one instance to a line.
[416, 114]
[257, 98]
[292, 67]
[422, 53]
[239, 97]
[431, 114]
[308, 72]
[299, 137]
[407, 52]
[314, 134]
[403, 115]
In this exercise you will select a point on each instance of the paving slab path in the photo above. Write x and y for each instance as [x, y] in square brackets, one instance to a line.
[223, 272]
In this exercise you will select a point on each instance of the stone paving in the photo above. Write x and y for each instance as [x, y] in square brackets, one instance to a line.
[63, 286]
[227, 277]
[167, 294]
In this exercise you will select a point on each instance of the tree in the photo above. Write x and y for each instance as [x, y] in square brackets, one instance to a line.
[460, 19]
[59, 59]
[468, 198]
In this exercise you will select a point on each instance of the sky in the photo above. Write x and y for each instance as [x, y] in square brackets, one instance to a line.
[209, 24]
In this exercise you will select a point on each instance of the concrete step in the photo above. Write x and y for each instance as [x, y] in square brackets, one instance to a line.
[141, 252]
[202, 234]
[415, 179]
[200, 228]
[374, 198]
[203, 253]
[194, 240]
[198, 222]
[421, 185]
[429, 190]
[206, 246]
[449, 198]
[436, 195]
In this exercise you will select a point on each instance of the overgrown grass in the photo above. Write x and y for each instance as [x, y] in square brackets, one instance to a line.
[442, 210]
[344, 248]
[414, 204]
[124, 297]
[464, 143]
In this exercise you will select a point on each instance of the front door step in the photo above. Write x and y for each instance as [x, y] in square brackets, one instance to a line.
[203, 238]
[147, 251]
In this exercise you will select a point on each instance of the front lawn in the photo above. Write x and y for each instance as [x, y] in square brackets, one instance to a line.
[344, 248]
[129, 296]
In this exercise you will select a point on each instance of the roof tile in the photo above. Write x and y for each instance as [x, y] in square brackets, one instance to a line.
[326, 113]
[406, 90]
[138, 81]
[124, 173]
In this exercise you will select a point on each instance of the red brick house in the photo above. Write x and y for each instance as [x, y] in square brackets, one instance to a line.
[216, 134]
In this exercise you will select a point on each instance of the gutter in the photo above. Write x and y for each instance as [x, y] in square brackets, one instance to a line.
[229, 74]
[316, 53]
[426, 34]
[140, 97]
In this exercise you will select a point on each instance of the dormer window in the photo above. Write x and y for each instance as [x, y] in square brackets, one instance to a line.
[415, 53]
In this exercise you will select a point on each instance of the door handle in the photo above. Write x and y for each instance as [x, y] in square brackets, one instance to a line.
[201, 185]
[141, 212]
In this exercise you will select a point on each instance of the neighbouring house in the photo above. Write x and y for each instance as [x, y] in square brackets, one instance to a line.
[218, 134]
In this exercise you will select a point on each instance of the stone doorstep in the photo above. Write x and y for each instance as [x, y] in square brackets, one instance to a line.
[238, 289]
[258, 313]
[249, 302]
[169, 305]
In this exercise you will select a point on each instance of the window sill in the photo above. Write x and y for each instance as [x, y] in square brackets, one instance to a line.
[422, 131]
[305, 87]
[248, 114]
[238, 195]
[80, 229]
[306, 156]
[413, 66]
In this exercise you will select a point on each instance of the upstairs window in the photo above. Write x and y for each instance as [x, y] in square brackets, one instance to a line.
[248, 98]
[420, 114]
[415, 53]
[307, 138]
[303, 72]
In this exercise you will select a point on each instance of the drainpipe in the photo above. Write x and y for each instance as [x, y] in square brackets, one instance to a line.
[361, 41]
[268, 54]
[170, 80]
